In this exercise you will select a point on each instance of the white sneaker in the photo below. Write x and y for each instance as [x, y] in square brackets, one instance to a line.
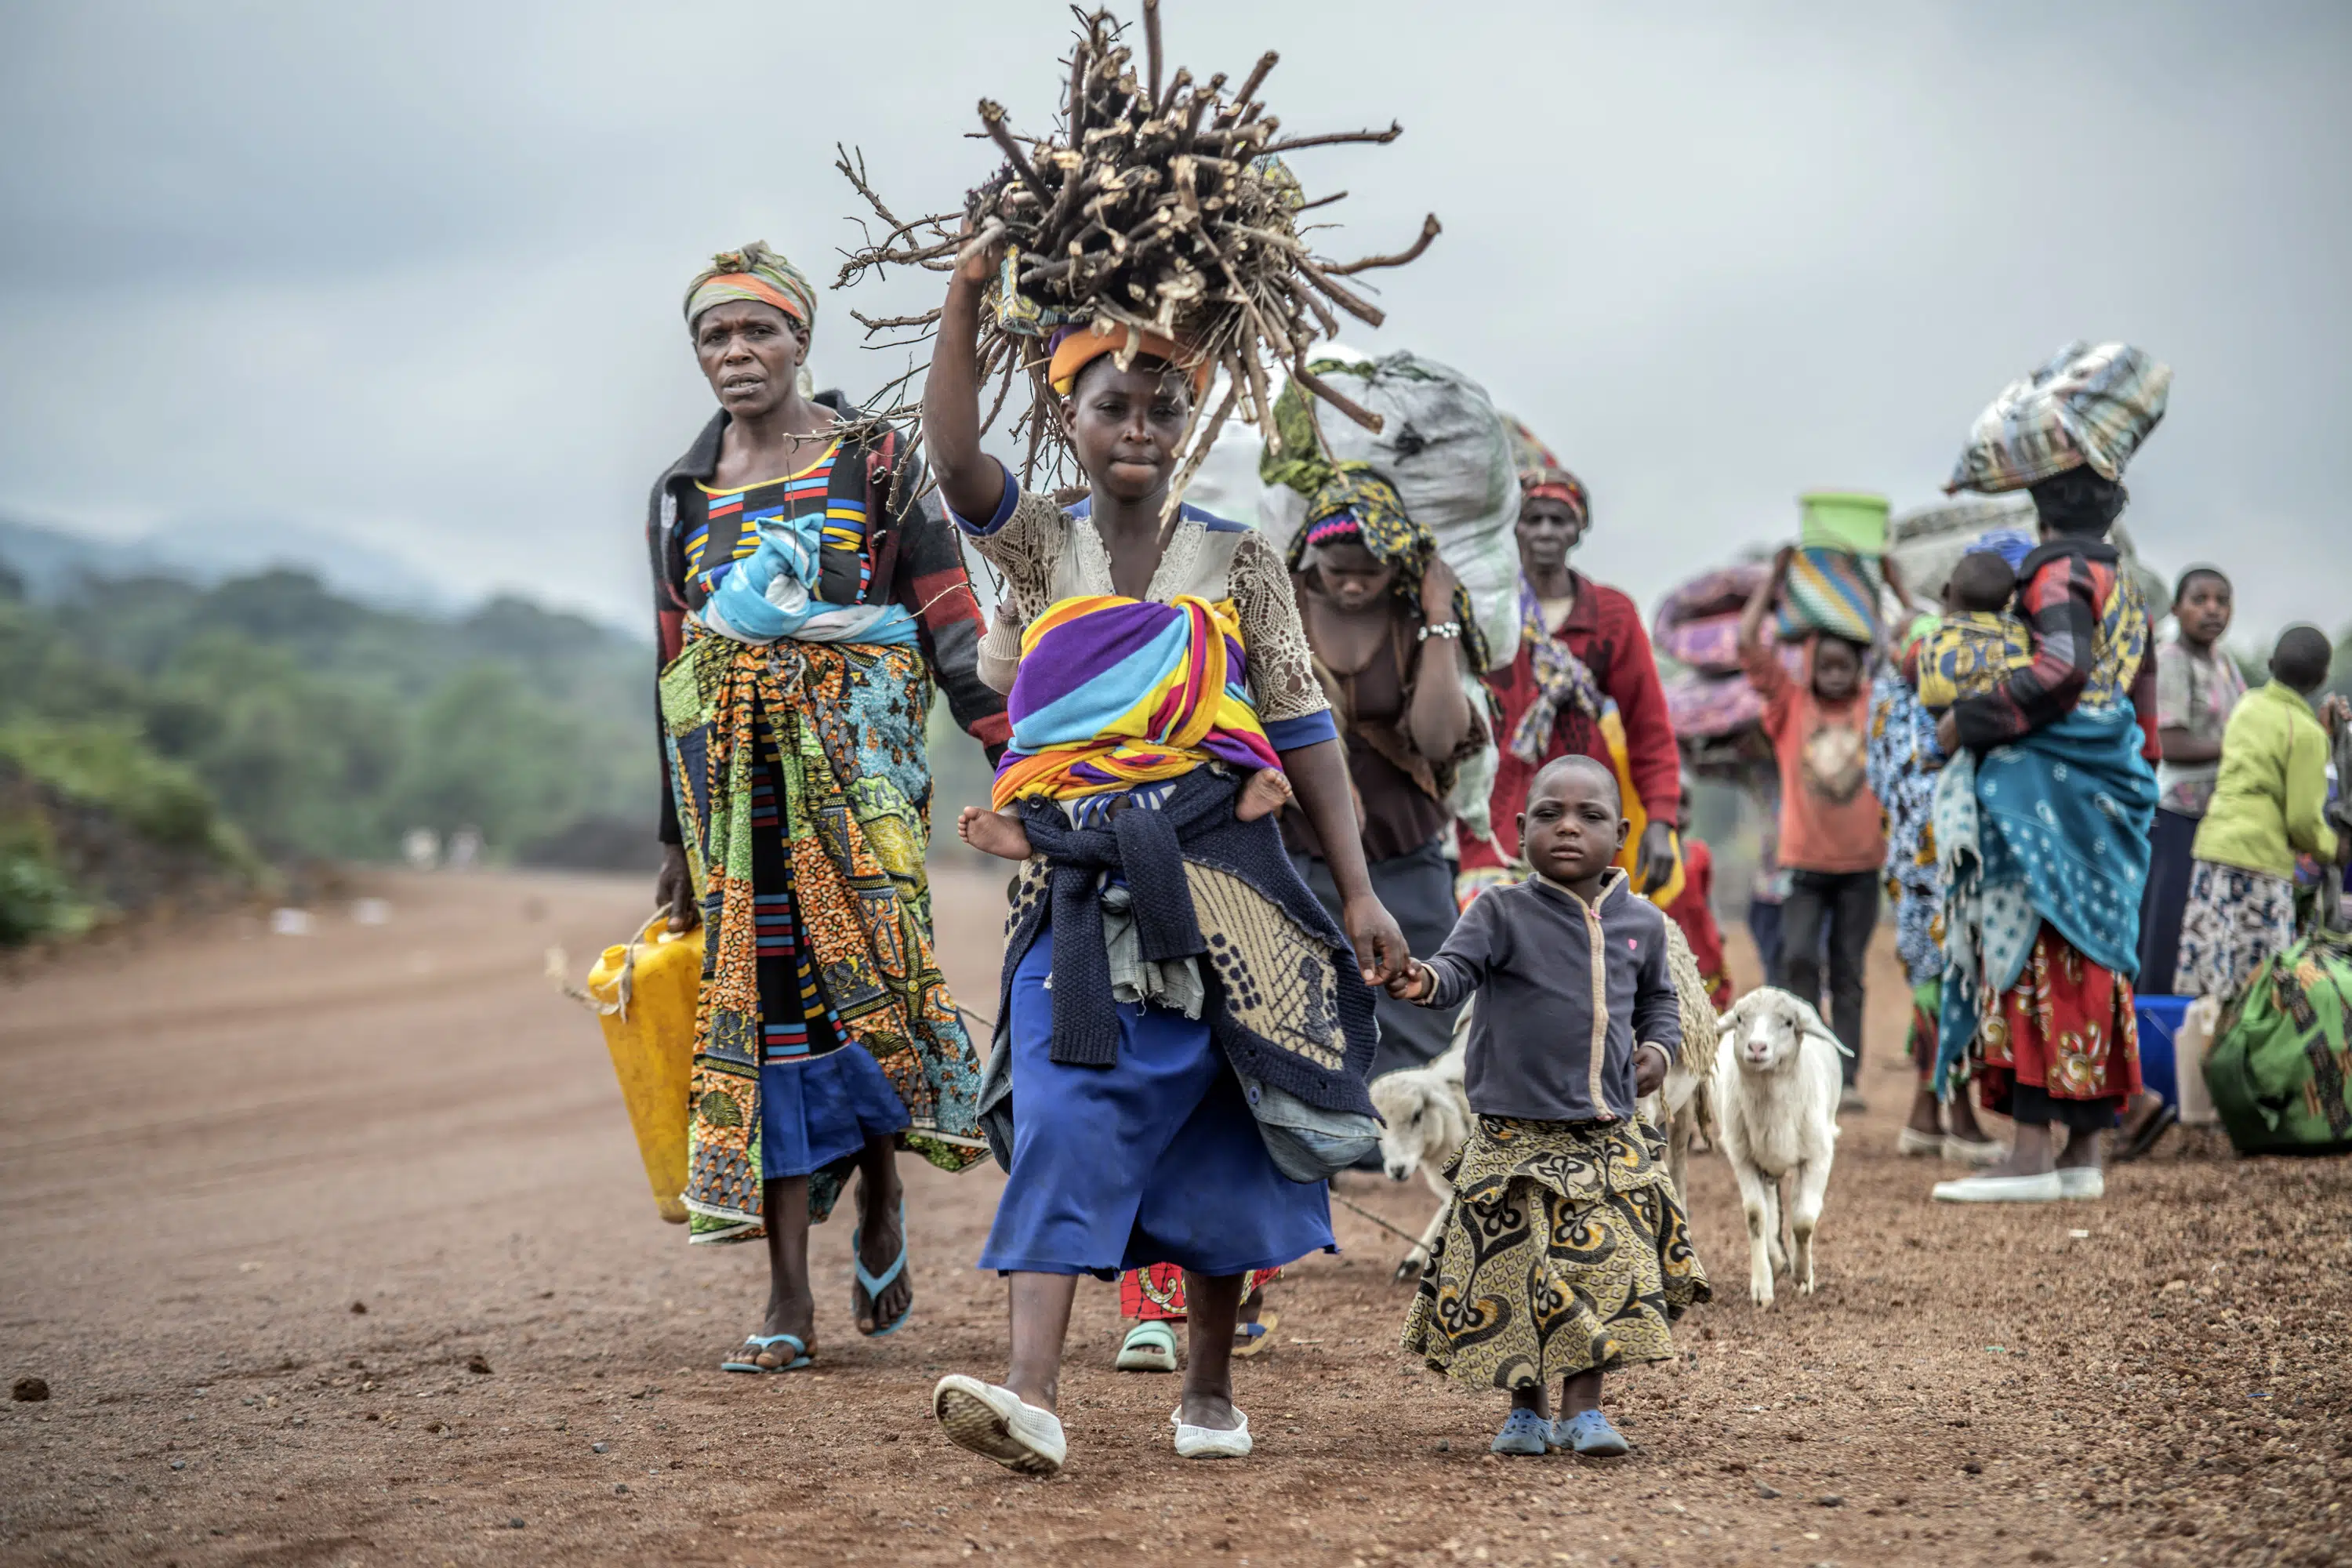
[2041, 1189]
[1211, 1442]
[2083, 1184]
[1000, 1425]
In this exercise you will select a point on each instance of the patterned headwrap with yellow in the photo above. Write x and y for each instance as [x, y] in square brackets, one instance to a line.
[754, 273]
[1355, 505]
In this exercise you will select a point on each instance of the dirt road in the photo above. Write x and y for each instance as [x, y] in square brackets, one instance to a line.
[334, 1250]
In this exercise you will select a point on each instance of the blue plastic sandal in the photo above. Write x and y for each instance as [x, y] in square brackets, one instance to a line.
[874, 1284]
[1587, 1433]
[758, 1344]
[1524, 1432]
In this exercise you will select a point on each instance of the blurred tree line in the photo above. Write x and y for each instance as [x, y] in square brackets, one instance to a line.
[268, 719]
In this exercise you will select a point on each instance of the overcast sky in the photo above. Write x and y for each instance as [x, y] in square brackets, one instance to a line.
[410, 274]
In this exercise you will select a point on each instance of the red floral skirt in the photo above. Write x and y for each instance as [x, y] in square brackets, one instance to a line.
[1156, 1294]
[2068, 1025]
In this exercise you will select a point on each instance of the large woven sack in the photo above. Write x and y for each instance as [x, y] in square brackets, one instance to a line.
[2280, 1069]
[1448, 454]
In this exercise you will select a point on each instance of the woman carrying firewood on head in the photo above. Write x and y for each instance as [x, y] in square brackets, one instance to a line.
[1183, 1031]
[1133, 1137]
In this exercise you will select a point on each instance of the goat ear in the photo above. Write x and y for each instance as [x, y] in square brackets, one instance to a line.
[1741, 1012]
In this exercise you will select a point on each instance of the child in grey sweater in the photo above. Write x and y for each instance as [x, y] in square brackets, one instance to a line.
[1567, 1254]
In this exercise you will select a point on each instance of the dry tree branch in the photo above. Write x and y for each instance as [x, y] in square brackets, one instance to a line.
[1430, 229]
[1334, 138]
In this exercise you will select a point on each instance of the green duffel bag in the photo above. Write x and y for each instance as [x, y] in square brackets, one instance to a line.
[2280, 1068]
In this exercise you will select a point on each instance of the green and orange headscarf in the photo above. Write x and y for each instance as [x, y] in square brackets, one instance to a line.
[754, 273]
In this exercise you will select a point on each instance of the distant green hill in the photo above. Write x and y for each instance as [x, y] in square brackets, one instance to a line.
[271, 714]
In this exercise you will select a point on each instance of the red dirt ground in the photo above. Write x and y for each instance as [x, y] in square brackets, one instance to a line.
[215, 1146]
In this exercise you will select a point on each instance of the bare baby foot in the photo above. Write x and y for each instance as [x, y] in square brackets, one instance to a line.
[1266, 792]
[997, 833]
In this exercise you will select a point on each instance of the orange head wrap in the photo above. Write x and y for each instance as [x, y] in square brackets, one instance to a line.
[1074, 348]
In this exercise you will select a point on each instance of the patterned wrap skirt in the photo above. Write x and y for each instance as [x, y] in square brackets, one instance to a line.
[2068, 1027]
[1565, 1251]
[2236, 920]
[803, 788]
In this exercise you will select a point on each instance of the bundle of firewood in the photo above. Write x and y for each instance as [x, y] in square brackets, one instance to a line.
[1158, 204]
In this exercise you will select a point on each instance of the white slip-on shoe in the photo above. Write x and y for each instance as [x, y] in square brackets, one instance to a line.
[1973, 1150]
[2082, 1183]
[999, 1425]
[1911, 1143]
[1211, 1442]
[2040, 1189]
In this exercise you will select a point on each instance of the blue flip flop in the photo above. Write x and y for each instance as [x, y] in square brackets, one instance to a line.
[1524, 1432]
[874, 1284]
[1589, 1433]
[758, 1344]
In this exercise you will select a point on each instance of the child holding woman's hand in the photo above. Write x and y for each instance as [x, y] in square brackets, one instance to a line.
[1565, 1254]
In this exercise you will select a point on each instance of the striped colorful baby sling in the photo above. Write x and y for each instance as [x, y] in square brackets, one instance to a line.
[1114, 691]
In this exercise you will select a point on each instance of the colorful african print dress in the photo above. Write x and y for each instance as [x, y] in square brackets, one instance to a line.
[803, 790]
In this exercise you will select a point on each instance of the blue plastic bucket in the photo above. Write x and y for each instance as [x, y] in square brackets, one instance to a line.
[2159, 1026]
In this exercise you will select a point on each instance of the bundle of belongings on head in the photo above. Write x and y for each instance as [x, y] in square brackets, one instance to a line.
[1714, 710]
[1436, 477]
[1834, 583]
[2089, 405]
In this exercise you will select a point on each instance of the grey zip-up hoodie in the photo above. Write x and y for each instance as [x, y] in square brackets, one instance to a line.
[1566, 991]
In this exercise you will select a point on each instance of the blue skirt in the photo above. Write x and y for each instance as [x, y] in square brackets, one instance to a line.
[1155, 1159]
[818, 1110]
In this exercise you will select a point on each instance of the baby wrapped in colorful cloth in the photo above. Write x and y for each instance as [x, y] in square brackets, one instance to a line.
[1114, 692]
[1980, 640]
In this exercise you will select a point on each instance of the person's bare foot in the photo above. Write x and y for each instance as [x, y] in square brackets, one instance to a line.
[1266, 791]
[997, 833]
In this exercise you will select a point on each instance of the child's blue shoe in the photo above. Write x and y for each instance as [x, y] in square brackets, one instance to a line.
[1587, 1432]
[1525, 1432]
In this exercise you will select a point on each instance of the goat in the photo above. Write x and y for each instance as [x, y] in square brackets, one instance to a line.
[1777, 1082]
[1427, 1116]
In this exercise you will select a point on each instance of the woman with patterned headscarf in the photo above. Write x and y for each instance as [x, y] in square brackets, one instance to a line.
[1583, 647]
[1392, 632]
[805, 602]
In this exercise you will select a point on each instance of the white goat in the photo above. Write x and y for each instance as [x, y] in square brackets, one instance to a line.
[1776, 1095]
[1427, 1112]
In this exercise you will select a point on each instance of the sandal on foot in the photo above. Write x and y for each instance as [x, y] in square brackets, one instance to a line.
[765, 1359]
[1524, 1432]
[1589, 1433]
[1255, 1339]
[1149, 1347]
[1211, 1442]
[874, 1284]
[998, 1424]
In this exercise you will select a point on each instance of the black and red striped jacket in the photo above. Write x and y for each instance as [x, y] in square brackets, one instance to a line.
[913, 554]
[2071, 594]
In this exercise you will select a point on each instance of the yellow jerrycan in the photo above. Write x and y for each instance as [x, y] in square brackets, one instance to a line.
[645, 993]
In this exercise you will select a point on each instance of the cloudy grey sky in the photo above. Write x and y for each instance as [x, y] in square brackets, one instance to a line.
[409, 275]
